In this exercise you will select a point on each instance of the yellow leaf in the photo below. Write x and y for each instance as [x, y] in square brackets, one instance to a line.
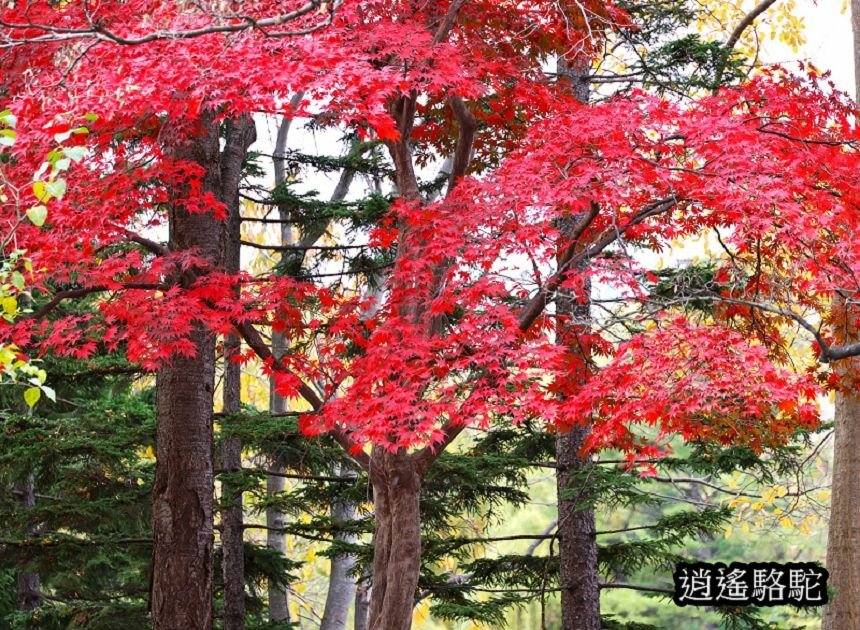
[7, 355]
[421, 614]
[32, 396]
[729, 531]
[10, 305]
[41, 192]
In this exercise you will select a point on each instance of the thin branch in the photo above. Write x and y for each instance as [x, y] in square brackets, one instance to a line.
[156, 248]
[252, 337]
[637, 587]
[287, 248]
[98, 32]
[284, 475]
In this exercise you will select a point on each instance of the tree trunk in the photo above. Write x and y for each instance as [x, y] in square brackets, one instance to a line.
[182, 493]
[183, 489]
[362, 604]
[240, 135]
[396, 480]
[579, 578]
[341, 585]
[279, 599]
[843, 544]
[843, 541]
[279, 602]
[29, 596]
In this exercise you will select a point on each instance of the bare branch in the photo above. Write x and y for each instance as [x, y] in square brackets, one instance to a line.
[238, 23]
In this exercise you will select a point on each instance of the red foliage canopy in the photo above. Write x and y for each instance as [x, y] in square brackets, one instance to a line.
[464, 335]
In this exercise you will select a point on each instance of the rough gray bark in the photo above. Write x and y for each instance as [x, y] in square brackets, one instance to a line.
[577, 551]
[279, 600]
[240, 135]
[362, 604]
[341, 585]
[183, 489]
[843, 542]
[396, 480]
[29, 595]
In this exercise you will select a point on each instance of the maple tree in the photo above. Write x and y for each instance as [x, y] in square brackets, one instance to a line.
[464, 336]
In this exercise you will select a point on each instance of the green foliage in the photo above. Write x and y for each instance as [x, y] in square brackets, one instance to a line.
[87, 535]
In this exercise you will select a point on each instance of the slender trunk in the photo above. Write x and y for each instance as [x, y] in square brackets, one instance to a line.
[362, 604]
[843, 541]
[396, 480]
[279, 601]
[578, 575]
[276, 539]
[240, 135]
[29, 586]
[183, 489]
[341, 585]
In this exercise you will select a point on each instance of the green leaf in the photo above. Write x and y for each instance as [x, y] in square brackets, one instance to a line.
[8, 118]
[62, 164]
[7, 137]
[18, 280]
[32, 396]
[37, 215]
[49, 392]
[56, 188]
[75, 154]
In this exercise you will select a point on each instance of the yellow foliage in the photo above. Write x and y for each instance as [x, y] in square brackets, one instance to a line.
[421, 613]
[779, 23]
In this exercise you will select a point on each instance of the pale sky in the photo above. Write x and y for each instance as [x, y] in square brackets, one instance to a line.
[829, 46]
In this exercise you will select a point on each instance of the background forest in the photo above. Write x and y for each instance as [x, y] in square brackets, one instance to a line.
[247, 299]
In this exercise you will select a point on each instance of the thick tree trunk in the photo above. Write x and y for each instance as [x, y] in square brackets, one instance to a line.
[240, 135]
[29, 595]
[182, 494]
[843, 542]
[396, 479]
[579, 578]
[341, 585]
[183, 489]
[577, 551]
